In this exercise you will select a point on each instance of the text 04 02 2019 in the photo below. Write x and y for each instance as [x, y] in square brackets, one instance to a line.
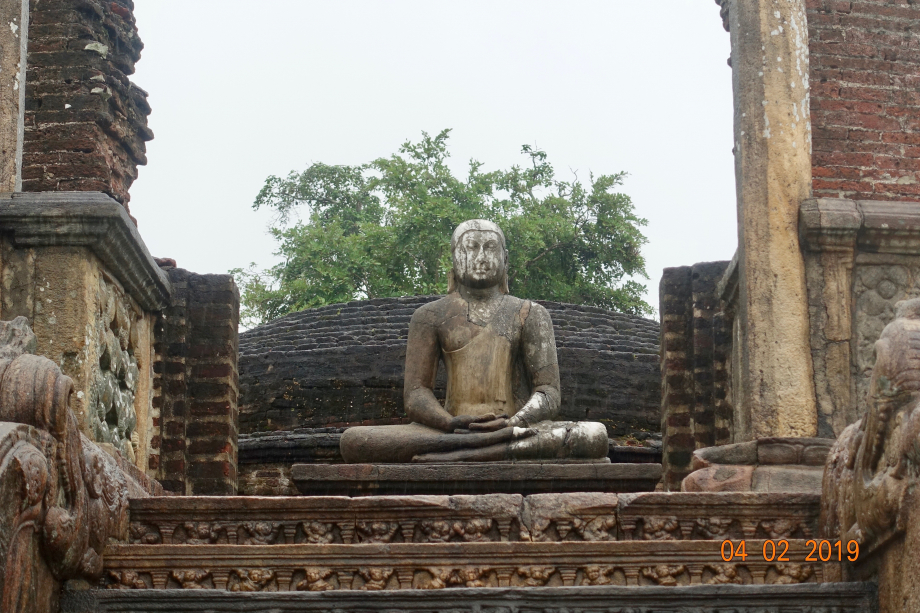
[778, 551]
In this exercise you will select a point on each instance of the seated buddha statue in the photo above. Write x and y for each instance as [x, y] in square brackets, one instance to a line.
[499, 353]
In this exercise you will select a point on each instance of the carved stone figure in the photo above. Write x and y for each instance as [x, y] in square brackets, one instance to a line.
[61, 497]
[375, 578]
[535, 576]
[876, 460]
[195, 579]
[253, 580]
[317, 532]
[316, 580]
[597, 575]
[502, 377]
[664, 574]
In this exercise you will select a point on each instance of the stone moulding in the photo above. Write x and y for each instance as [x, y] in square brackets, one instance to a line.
[93, 220]
[806, 598]
[434, 566]
[872, 226]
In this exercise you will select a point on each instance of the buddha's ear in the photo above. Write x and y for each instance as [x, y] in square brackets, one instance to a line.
[503, 288]
[451, 281]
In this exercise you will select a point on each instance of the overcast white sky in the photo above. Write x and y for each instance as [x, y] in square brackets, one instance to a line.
[241, 90]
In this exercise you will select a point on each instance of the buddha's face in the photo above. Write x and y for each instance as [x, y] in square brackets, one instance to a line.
[479, 259]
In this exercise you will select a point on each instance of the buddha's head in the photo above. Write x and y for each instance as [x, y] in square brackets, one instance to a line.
[480, 259]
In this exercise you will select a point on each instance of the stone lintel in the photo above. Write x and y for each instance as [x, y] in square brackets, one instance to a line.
[93, 220]
[14, 39]
[473, 478]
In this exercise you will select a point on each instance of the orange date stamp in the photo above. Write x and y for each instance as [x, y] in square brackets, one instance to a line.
[778, 551]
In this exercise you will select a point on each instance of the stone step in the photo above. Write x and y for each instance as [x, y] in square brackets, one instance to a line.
[803, 598]
[654, 516]
[408, 566]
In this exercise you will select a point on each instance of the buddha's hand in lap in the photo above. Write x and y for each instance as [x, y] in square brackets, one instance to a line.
[465, 424]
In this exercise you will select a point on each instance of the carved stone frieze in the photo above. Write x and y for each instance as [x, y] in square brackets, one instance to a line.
[395, 566]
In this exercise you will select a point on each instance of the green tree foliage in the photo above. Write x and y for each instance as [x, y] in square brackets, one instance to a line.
[383, 229]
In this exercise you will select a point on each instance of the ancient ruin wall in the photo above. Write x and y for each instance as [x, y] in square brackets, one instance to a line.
[342, 365]
[695, 350]
[196, 386]
[85, 122]
[865, 103]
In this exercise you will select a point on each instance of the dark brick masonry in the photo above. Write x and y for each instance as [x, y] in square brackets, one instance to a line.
[85, 122]
[196, 385]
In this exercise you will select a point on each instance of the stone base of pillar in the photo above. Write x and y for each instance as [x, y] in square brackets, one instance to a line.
[774, 464]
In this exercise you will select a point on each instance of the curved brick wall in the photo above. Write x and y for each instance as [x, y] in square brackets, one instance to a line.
[342, 365]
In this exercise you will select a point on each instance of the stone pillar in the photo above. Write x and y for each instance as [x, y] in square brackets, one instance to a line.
[773, 176]
[14, 38]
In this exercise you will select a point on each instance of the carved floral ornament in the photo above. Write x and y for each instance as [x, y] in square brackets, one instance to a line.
[61, 497]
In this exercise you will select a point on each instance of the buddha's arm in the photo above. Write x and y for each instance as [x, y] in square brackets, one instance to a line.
[539, 346]
[422, 353]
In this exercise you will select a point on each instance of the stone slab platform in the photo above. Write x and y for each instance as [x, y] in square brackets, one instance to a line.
[473, 478]
[648, 516]
[806, 598]
[408, 566]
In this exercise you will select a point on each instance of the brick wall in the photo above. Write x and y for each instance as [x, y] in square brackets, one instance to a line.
[196, 385]
[85, 122]
[694, 356]
[865, 98]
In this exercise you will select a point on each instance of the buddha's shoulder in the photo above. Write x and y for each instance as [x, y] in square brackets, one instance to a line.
[439, 310]
[523, 306]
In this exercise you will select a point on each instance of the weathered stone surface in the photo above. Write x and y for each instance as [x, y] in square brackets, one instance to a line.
[770, 464]
[559, 517]
[775, 394]
[343, 365]
[805, 598]
[409, 566]
[737, 453]
[719, 478]
[13, 41]
[473, 478]
[804, 479]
